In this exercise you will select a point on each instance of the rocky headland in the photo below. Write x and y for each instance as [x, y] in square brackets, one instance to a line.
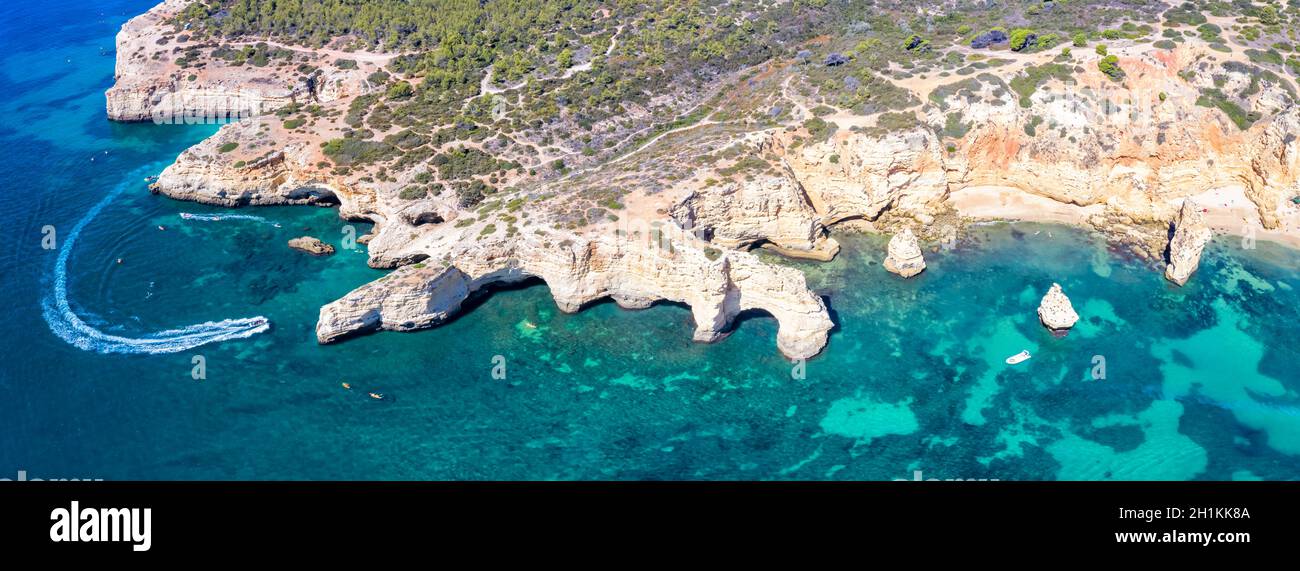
[675, 216]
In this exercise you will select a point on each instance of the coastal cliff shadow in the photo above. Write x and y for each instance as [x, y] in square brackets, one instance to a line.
[748, 315]
[687, 317]
[1169, 240]
[833, 315]
[480, 296]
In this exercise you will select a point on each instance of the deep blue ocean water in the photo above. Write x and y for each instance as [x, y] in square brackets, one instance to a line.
[1200, 382]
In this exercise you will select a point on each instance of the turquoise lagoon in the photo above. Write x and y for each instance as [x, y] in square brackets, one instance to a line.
[1199, 382]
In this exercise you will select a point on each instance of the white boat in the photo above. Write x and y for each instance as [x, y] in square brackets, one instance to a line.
[1018, 357]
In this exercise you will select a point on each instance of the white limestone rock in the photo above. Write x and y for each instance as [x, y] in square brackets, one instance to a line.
[1191, 234]
[904, 256]
[1055, 311]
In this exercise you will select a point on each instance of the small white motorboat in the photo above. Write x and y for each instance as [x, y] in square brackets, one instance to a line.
[1018, 357]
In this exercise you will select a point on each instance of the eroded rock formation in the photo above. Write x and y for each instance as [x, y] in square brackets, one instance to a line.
[1051, 145]
[311, 245]
[579, 270]
[1190, 237]
[771, 210]
[1056, 312]
[904, 254]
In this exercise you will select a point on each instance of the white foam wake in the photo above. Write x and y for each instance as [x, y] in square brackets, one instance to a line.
[68, 326]
[220, 217]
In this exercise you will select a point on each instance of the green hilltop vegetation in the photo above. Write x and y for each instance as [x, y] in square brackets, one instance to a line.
[585, 80]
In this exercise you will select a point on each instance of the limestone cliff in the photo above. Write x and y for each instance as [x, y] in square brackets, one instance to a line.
[243, 176]
[634, 272]
[150, 84]
[719, 186]
[771, 210]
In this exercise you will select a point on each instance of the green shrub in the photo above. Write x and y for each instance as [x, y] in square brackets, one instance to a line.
[1268, 15]
[470, 194]
[953, 127]
[400, 90]
[1109, 65]
[413, 193]
[1080, 40]
[350, 151]
[1027, 83]
[1216, 99]
[819, 128]
[1019, 38]
[1031, 128]
[465, 162]
[895, 121]
[226, 148]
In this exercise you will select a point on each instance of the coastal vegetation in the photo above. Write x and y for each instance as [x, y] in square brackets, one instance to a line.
[486, 100]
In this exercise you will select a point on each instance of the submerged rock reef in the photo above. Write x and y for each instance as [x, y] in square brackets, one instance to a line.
[674, 210]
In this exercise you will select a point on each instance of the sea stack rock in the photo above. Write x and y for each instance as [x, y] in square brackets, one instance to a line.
[1056, 312]
[904, 257]
[311, 245]
[1191, 234]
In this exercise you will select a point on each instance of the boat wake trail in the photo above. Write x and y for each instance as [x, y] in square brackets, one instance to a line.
[68, 326]
[220, 217]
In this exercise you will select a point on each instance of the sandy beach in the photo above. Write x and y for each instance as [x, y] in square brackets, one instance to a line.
[1227, 211]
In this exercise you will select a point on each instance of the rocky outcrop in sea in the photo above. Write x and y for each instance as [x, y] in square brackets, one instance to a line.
[1191, 234]
[311, 245]
[904, 256]
[1056, 312]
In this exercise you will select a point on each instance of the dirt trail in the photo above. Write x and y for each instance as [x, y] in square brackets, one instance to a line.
[369, 57]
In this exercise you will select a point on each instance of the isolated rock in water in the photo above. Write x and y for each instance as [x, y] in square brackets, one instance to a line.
[1191, 234]
[311, 245]
[411, 297]
[904, 256]
[1055, 310]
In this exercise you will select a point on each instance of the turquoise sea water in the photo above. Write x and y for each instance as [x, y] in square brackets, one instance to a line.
[1199, 381]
